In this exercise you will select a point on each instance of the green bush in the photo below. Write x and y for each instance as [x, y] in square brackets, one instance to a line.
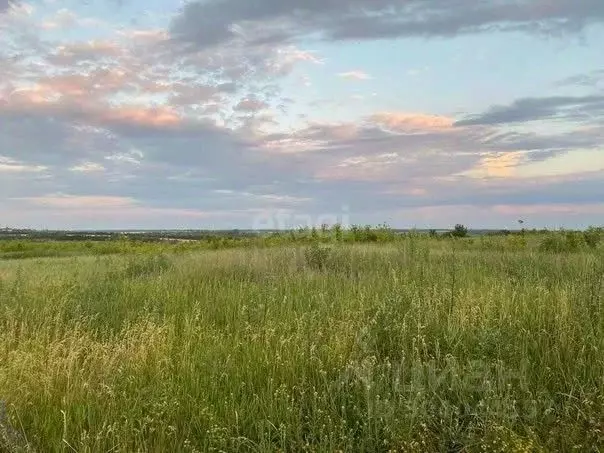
[460, 231]
[592, 237]
[568, 241]
[552, 243]
[146, 266]
[516, 242]
[317, 256]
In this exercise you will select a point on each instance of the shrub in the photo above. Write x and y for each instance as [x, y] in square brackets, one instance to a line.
[516, 242]
[492, 244]
[592, 237]
[551, 244]
[573, 240]
[370, 235]
[317, 256]
[561, 242]
[337, 229]
[460, 231]
[151, 265]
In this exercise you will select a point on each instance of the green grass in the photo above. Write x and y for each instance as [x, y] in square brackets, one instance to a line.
[488, 344]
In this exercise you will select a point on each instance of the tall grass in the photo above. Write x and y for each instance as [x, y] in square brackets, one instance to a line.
[418, 345]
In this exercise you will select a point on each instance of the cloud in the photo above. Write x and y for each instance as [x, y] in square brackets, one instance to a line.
[354, 75]
[79, 53]
[103, 211]
[133, 157]
[64, 201]
[497, 165]
[572, 162]
[145, 36]
[155, 117]
[63, 18]
[88, 167]
[501, 216]
[574, 108]
[387, 154]
[384, 160]
[182, 126]
[524, 164]
[588, 80]
[100, 99]
[263, 198]
[4, 5]
[367, 151]
[250, 105]
[214, 22]
[410, 122]
[537, 209]
[8, 165]
[16, 7]
[362, 168]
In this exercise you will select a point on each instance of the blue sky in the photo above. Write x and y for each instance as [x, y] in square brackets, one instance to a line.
[236, 114]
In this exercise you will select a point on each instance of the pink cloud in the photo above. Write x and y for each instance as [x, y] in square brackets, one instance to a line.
[354, 75]
[101, 206]
[67, 96]
[411, 122]
[64, 201]
[413, 191]
[162, 116]
[72, 53]
[500, 165]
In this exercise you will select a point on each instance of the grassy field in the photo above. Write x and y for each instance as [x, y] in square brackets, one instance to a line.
[420, 344]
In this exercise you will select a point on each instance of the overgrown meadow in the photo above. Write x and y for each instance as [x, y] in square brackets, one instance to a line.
[320, 341]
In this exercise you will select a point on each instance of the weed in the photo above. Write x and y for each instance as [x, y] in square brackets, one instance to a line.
[317, 256]
[285, 343]
[146, 266]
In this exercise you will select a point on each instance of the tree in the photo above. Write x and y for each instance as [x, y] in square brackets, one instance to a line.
[460, 231]
[337, 228]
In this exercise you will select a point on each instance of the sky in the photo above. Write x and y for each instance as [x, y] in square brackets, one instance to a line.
[121, 114]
